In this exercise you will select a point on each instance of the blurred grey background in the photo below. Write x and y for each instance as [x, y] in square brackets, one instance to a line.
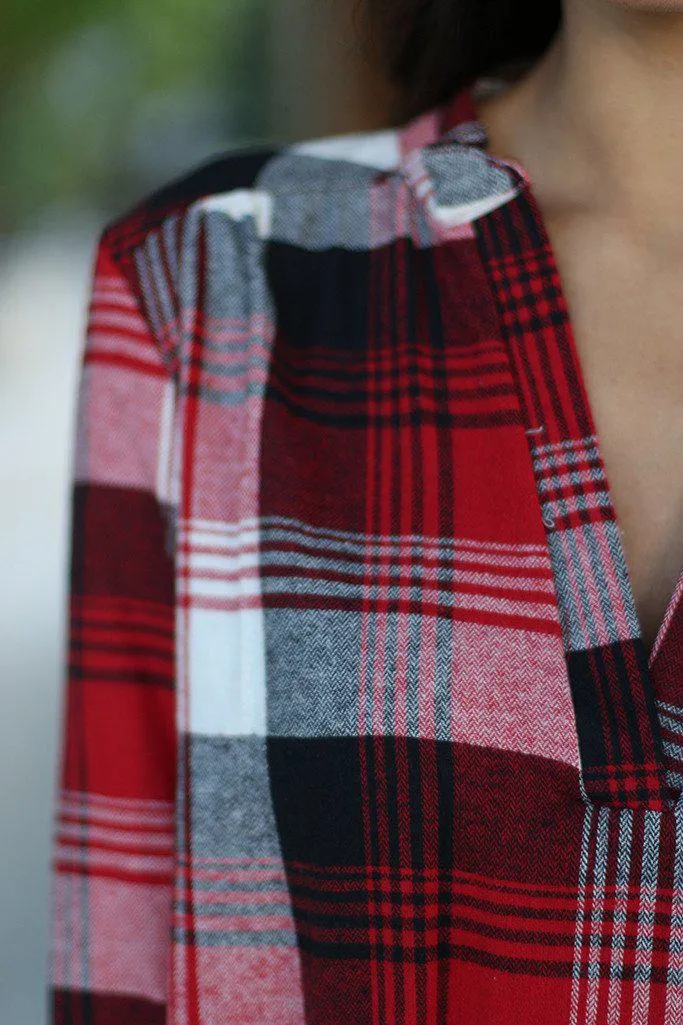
[101, 101]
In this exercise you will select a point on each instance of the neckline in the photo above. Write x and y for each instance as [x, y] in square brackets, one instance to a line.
[460, 121]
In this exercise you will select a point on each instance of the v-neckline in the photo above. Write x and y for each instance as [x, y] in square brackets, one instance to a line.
[612, 676]
[480, 137]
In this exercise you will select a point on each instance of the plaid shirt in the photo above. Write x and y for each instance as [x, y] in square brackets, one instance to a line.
[359, 724]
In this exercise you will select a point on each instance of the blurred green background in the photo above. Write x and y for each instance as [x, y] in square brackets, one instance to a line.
[100, 98]
[101, 102]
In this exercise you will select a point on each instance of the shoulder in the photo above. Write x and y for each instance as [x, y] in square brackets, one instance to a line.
[208, 228]
[238, 180]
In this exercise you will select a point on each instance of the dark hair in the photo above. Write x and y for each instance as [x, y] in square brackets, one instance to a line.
[430, 49]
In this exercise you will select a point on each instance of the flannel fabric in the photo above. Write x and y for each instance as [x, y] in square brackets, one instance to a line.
[359, 724]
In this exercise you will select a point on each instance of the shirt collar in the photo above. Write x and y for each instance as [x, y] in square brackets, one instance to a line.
[445, 157]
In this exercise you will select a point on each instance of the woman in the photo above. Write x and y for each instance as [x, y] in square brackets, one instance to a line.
[375, 700]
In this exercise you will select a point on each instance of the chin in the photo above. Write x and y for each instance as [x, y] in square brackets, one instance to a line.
[658, 6]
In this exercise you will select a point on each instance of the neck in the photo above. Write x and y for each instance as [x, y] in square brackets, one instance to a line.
[597, 121]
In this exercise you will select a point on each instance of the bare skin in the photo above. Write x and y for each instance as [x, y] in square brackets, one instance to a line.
[596, 123]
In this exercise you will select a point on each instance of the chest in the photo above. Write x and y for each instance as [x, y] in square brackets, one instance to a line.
[626, 310]
[380, 563]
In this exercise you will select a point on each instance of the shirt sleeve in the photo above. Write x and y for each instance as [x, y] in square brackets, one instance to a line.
[113, 860]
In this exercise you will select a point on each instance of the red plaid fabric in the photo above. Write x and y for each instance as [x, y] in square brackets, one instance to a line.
[359, 724]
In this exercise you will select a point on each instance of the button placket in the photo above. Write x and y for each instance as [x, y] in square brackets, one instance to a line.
[622, 755]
